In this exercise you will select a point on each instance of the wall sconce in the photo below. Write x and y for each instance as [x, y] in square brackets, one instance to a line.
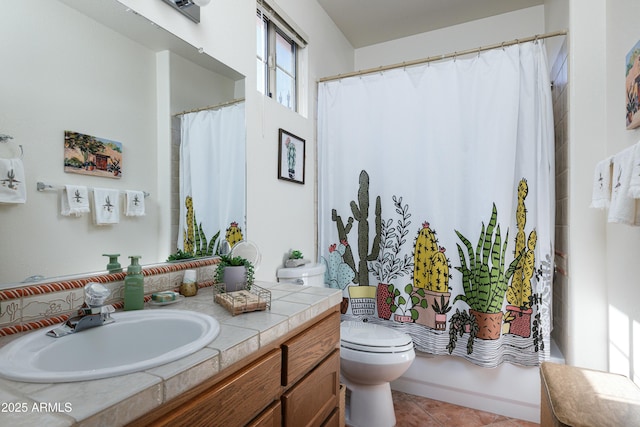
[189, 8]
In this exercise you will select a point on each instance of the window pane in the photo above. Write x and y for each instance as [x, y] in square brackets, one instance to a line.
[260, 76]
[261, 30]
[284, 89]
[284, 54]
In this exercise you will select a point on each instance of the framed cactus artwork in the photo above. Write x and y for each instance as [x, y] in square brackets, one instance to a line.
[291, 157]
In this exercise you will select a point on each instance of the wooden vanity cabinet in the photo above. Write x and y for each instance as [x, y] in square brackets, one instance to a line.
[294, 384]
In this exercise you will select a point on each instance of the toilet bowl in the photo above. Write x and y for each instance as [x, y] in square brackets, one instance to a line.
[371, 356]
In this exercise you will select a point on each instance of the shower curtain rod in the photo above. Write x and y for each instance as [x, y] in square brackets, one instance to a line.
[441, 57]
[211, 107]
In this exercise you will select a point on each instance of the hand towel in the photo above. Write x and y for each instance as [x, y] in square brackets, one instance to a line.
[623, 208]
[601, 195]
[74, 200]
[12, 183]
[106, 206]
[135, 203]
[634, 182]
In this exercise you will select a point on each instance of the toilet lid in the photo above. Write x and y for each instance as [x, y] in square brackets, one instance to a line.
[373, 338]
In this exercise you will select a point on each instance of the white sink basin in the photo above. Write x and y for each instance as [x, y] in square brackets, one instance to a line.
[136, 341]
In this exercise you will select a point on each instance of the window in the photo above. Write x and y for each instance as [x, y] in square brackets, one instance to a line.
[277, 45]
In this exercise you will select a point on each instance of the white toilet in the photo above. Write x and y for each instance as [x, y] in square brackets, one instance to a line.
[370, 357]
[305, 275]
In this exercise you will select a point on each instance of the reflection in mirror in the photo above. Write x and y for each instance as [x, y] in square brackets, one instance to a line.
[93, 67]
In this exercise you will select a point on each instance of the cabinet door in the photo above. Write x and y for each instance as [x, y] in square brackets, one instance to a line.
[307, 349]
[236, 400]
[312, 400]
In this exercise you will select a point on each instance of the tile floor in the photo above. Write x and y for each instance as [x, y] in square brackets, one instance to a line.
[417, 411]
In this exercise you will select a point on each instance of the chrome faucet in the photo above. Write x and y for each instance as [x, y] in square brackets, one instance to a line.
[92, 313]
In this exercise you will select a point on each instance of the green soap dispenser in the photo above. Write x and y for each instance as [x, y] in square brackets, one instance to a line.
[134, 286]
[113, 266]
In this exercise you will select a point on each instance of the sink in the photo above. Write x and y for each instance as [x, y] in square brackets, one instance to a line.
[136, 341]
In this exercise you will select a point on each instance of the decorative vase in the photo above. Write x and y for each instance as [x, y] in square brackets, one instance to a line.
[363, 300]
[489, 324]
[384, 308]
[521, 325]
[234, 277]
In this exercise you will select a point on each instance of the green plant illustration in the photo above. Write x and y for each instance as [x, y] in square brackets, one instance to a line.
[426, 246]
[443, 307]
[338, 273]
[194, 238]
[484, 279]
[400, 304]
[360, 212]
[459, 323]
[519, 292]
[389, 264]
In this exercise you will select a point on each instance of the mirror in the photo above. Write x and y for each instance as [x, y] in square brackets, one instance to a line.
[94, 67]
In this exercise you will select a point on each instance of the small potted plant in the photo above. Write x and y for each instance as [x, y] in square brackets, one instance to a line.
[235, 272]
[295, 259]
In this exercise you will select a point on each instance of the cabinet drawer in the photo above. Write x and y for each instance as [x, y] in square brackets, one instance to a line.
[333, 420]
[270, 417]
[234, 401]
[310, 402]
[301, 353]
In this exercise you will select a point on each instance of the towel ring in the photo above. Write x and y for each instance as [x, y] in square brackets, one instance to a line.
[5, 139]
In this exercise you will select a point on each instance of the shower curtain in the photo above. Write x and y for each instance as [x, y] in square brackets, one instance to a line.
[436, 202]
[212, 179]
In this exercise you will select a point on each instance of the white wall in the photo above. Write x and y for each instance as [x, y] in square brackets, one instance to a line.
[280, 215]
[483, 32]
[622, 242]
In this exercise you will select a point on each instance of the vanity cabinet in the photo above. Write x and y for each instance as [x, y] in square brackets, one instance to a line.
[293, 382]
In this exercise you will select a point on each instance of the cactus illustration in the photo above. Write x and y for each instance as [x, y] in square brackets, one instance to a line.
[519, 292]
[425, 248]
[360, 212]
[338, 274]
[484, 278]
[438, 276]
[188, 235]
[234, 234]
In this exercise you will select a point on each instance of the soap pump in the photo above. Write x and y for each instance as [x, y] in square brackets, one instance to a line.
[134, 286]
[113, 266]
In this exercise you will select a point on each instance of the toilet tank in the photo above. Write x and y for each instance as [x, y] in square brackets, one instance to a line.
[307, 275]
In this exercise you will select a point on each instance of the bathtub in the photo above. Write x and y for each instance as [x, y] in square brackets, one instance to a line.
[509, 390]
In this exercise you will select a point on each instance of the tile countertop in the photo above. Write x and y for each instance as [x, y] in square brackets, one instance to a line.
[117, 400]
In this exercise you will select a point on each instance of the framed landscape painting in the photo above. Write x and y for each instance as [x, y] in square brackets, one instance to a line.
[633, 87]
[90, 155]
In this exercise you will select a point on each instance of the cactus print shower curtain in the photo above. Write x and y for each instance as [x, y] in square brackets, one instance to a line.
[212, 179]
[436, 202]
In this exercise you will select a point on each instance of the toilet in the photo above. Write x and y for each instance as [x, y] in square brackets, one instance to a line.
[305, 275]
[371, 356]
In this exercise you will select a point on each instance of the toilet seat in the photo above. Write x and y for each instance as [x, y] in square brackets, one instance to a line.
[372, 338]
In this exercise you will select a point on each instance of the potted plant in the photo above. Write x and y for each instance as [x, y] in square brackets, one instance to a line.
[459, 324]
[484, 278]
[295, 259]
[235, 272]
[389, 264]
[441, 311]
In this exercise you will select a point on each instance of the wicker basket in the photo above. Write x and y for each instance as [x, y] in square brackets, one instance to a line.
[243, 301]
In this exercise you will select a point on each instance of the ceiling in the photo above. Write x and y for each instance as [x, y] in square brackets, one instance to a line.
[367, 22]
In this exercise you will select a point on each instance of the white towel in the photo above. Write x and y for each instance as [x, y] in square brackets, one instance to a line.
[106, 206]
[601, 195]
[623, 208]
[12, 183]
[634, 182]
[74, 200]
[135, 203]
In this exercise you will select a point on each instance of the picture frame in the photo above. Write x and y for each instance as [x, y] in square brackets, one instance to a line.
[291, 157]
[632, 83]
[91, 155]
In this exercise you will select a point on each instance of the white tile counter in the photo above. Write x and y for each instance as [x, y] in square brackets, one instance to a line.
[118, 400]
